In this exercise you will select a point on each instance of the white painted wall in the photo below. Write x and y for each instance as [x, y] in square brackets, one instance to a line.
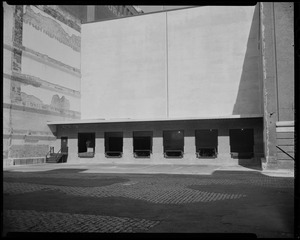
[124, 68]
[212, 64]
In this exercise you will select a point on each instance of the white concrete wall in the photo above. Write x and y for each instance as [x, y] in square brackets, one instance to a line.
[157, 156]
[124, 68]
[209, 67]
[213, 61]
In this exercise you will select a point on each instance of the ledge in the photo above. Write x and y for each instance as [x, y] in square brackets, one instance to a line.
[124, 120]
[285, 124]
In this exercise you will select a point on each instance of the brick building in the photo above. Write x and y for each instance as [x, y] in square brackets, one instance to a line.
[41, 73]
[201, 85]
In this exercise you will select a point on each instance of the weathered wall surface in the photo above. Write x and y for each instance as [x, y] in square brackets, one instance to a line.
[278, 79]
[124, 68]
[8, 19]
[41, 76]
[286, 144]
[194, 62]
[284, 35]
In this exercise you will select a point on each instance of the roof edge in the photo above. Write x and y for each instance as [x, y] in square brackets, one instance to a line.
[125, 120]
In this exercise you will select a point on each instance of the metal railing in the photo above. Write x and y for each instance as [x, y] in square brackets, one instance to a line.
[207, 152]
[57, 155]
[173, 154]
[142, 153]
[285, 152]
[113, 154]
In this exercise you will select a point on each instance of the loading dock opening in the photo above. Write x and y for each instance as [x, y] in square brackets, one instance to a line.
[206, 141]
[86, 145]
[173, 142]
[113, 144]
[142, 144]
[241, 143]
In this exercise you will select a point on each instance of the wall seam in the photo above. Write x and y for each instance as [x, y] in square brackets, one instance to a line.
[275, 56]
[265, 93]
[167, 63]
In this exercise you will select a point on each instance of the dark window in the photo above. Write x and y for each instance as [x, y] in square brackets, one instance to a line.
[142, 143]
[241, 143]
[113, 144]
[86, 144]
[206, 143]
[173, 143]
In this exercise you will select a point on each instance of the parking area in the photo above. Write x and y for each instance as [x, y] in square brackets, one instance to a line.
[82, 199]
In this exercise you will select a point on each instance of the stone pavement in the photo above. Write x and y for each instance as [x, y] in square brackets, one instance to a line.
[92, 199]
[146, 169]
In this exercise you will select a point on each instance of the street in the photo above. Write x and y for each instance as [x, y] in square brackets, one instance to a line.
[68, 200]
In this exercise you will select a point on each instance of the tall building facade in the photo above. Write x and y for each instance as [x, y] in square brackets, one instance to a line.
[91, 13]
[41, 74]
[203, 85]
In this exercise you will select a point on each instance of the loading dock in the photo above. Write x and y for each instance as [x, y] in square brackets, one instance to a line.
[113, 144]
[142, 144]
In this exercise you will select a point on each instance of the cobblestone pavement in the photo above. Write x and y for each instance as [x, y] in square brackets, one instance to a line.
[139, 203]
[33, 221]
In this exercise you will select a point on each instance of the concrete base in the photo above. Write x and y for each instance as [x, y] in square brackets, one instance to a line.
[23, 161]
[8, 162]
[286, 164]
[274, 164]
[223, 160]
[269, 163]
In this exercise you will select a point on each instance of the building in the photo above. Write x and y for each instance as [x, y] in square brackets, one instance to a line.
[41, 73]
[156, 8]
[201, 85]
[91, 13]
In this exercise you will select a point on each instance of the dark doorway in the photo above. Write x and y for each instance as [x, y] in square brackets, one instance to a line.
[86, 144]
[173, 143]
[142, 144]
[206, 141]
[241, 143]
[64, 142]
[113, 144]
[64, 149]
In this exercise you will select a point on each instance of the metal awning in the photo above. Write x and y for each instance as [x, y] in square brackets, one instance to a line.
[128, 120]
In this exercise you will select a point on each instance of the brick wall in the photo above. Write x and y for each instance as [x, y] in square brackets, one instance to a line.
[285, 144]
[28, 150]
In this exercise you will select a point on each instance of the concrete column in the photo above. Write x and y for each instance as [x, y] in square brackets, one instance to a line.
[223, 144]
[189, 148]
[127, 146]
[99, 146]
[73, 150]
[157, 148]
[269, 83]
[90, 13]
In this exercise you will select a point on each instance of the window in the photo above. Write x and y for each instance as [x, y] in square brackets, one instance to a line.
[206, 141]
[142, 144]
[173, 143]
[241, 143]
[86, 144]
[113, 144]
